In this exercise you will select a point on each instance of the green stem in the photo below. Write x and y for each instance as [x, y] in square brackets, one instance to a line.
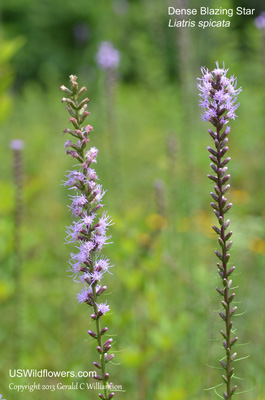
[99, 340]
[225, 276]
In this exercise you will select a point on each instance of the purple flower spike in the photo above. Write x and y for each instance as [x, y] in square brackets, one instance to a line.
[218, 101]
[88, 230]
[108, 57]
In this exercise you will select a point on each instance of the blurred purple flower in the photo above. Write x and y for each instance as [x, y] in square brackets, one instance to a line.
[107, 56]
[260, 21]
[16, 144]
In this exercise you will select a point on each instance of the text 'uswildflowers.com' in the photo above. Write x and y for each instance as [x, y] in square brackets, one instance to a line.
[45, 373]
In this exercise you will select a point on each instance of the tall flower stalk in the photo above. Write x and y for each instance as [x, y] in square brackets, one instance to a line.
[218, 97]
[108, 60]
[17, 148]
[89, 230]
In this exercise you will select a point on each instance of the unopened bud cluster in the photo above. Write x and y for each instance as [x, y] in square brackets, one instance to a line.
[88, 231]
[219, 95]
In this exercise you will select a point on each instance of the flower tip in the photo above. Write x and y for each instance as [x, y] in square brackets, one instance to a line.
[73, 78]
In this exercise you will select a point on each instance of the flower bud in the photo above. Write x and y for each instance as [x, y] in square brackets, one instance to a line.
[98, 377]
[92, 334]
[224, 304]
[108, 357]
[227, 257]
[217, 230]
[214, 206]
[71, 112]
[103, 330]
[214, 168]
[82, 90]
[66, 90]
[229, 245]
[220, 291]
[101, 290]
[234, 341]
[226, 188]
[228, 235]
[227, 207]
[226, 161]
[213, 178]
[221, 242]
[107, 348]
[213, 134]
[225, 179]
[213, 159]
[223, 151]
[223, 334]
[224, 142]
[213, 152]
[229, 284]
[231, 297]
[220, 266]
[227, 223]
[218, 254]
[233, 389]
[222, 316]
[217, 144]
[214, 196]
[108, 342]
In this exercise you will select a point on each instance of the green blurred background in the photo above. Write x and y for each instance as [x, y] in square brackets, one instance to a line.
[153, 162]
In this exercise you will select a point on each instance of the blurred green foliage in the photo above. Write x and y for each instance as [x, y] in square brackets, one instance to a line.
[8, 48]
[163, 301]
